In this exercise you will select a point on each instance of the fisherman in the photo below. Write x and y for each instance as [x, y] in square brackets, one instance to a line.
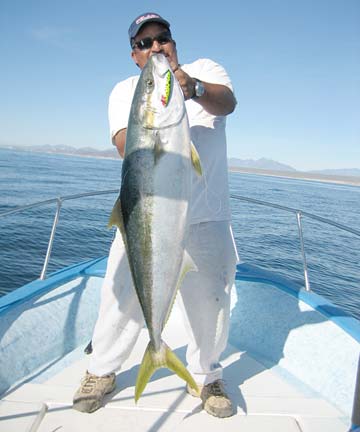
[205, 294]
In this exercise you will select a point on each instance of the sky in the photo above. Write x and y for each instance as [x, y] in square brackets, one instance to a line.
[294, 65]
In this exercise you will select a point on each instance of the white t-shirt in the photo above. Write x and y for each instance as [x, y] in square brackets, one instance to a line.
[210, 193]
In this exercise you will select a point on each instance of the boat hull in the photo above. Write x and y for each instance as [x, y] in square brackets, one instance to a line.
[300, 336]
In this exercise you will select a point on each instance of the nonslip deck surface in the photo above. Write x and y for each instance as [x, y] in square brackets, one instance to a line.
[264, 400]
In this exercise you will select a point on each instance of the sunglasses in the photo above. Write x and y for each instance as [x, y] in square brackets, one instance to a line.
[147, 43]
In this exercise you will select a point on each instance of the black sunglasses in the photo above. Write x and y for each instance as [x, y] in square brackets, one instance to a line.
[147, 43]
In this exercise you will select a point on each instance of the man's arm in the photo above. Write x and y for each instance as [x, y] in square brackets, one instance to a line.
[119, 141]
[217, 100]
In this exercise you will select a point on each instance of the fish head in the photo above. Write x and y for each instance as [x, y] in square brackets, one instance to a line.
[161, 101]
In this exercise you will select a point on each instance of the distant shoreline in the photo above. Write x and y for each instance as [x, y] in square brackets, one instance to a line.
[299, 175]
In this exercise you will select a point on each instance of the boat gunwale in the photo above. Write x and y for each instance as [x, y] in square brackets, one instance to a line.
[96, 268]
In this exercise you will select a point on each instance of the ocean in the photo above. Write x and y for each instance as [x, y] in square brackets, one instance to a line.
[264, 236]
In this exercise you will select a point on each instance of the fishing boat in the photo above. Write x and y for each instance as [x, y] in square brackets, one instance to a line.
[291, 364]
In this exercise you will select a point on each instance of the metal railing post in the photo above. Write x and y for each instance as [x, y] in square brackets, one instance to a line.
[355, 418]
[306, 276]
[52, 235]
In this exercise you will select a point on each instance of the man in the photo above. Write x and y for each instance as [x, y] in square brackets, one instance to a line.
[209, 98]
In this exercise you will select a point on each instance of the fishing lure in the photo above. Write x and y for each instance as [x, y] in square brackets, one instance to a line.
[166, 97]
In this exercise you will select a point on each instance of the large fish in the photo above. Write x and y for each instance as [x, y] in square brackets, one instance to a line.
[152, 209]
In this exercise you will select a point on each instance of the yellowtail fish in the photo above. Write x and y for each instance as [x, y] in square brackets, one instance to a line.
[152, 209]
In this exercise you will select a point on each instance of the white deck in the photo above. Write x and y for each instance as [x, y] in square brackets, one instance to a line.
[265, 401]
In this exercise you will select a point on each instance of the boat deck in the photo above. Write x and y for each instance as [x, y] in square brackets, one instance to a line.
[265, 400]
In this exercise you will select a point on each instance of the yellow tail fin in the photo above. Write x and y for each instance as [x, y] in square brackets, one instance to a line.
[154, 360]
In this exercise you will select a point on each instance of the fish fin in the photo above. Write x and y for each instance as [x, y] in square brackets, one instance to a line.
[154, 360]
[158, 148]
[195, 159]
[187, 265]
[116, 217]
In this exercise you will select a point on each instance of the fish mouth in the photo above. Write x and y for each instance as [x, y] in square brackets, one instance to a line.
[162, 65]
[163, 105]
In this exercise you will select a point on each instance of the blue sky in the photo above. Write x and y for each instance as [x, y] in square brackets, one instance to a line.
[295, 67]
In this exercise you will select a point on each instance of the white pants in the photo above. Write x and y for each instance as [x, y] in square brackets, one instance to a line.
[205, 299]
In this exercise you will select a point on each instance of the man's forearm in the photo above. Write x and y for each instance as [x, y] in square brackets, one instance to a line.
[217, 100]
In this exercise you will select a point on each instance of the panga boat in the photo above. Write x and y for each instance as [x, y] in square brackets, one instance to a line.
[291, 364]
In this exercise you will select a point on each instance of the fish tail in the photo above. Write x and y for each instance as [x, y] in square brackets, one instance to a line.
[154, 360]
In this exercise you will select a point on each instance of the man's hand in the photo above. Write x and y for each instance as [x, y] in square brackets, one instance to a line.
[187, 83]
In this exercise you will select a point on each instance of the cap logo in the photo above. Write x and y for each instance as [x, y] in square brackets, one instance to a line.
[146, 17]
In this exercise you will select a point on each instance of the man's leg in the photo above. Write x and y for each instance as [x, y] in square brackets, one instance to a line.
[117, 328]
[206, 298]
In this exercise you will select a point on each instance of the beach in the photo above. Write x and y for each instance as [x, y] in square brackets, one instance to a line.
[348, 180]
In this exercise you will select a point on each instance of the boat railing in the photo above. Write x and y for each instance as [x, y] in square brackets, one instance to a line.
[59, 201]
[299, 214]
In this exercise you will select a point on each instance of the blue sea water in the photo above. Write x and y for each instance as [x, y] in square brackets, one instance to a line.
[266, 237]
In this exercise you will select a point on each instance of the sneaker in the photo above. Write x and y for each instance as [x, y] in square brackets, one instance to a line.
[91, 392]
[215, 401]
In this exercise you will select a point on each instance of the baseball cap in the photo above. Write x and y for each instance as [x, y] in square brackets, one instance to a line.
[144, 19]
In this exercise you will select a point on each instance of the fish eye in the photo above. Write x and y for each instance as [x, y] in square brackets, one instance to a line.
[150, 83]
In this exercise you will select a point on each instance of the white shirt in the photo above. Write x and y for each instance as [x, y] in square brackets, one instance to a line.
[210, 193]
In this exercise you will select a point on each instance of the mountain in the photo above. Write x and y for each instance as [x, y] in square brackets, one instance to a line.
[260, 166]
[263, 163]
[110, 152]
